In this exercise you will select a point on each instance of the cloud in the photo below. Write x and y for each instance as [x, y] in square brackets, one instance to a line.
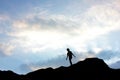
[115, 4]
[24, 68]
[19, 25]
[113, 62]
[102, 16]
[34, 35]
[1, 31]
[4, 22]
[109, 56]
[55, 62]
[6, 49]
[58, 61]
[43, 30]
[3, 17]
[115, 65]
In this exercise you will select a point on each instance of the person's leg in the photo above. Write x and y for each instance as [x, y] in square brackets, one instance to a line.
[70, 59]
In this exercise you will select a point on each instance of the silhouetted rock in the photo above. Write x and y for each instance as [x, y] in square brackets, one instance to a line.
[90, 68]
[9, 75]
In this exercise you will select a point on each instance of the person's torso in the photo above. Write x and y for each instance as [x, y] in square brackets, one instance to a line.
[70, 54]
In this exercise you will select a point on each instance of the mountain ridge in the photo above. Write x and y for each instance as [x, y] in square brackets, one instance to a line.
[92, 68]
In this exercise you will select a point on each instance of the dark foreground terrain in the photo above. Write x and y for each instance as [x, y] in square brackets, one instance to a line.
[88, 69]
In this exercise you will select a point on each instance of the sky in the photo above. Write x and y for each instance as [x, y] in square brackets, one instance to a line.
[34, 34]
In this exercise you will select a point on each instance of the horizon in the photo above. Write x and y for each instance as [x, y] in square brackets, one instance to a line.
[36, 34]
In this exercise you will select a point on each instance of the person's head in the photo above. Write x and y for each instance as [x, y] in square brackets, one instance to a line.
[68, 49]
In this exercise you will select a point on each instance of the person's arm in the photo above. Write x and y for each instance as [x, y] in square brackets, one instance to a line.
[73, 55]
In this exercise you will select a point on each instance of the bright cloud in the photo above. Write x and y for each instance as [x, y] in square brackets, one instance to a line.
[6, 49]
[40, 33]
[19, 25]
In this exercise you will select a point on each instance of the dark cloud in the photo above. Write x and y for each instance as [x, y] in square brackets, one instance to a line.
[24, 68]
[54, 62]
[115, 65]
[106, 54]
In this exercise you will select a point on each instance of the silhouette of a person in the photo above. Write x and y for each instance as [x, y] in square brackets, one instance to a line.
[69, 55]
